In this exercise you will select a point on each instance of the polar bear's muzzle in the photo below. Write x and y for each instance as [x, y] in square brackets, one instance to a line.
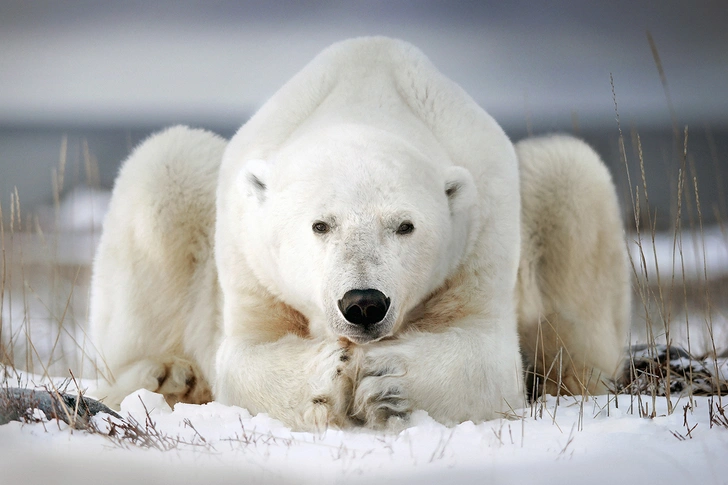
[365, 309]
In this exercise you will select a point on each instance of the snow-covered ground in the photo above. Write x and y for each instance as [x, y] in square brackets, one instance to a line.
[599, 440]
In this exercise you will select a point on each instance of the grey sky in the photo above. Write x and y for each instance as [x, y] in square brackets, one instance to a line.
[131, 62]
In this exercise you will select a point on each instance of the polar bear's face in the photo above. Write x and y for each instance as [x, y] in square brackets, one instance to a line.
[354, 228]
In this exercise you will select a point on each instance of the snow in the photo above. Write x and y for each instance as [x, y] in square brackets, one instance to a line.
[599, 440]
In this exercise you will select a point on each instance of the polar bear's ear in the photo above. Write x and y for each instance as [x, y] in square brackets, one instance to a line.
[252, 178]
[460, 189]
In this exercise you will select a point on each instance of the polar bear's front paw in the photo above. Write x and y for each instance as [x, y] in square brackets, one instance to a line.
[380, 399]
[330, 388]
[180, 380]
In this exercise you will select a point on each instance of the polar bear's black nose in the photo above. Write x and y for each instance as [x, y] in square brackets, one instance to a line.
[364, 307]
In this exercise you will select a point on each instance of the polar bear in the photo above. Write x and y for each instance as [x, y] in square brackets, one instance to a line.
[352, 255]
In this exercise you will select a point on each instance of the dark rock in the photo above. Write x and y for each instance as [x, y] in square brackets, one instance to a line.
[17, 404]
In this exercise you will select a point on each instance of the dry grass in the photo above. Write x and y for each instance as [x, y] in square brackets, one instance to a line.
[44, 281]
[680, 316]
[672, 298]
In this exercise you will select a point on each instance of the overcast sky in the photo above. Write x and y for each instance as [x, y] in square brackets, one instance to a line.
[131, 62]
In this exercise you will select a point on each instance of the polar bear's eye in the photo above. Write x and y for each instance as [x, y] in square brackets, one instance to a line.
[405, 228]
[320, 227]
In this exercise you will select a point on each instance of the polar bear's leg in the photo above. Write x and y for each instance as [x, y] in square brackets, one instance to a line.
[469, 371]
[573, 287]
[156, 242]
[304, 383]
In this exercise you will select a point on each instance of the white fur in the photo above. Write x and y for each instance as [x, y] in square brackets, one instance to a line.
[574, 284]
[369, 135]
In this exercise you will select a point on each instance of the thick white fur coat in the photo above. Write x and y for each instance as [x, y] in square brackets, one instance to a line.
[574, 286]
[209, 281]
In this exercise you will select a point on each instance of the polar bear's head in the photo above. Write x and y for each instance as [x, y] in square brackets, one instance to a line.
[354, 227]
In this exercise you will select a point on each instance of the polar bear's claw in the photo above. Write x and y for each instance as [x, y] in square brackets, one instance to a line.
[381, 402]
[380, 399]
